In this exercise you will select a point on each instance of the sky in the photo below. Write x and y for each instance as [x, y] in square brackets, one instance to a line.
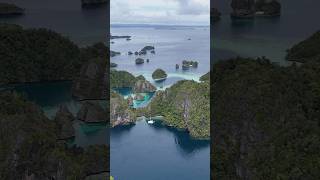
[167, 12]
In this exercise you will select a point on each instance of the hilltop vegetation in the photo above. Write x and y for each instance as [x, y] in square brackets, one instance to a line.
[266, 118]
[307, 50]
[30, 147]
[30, 55]
[185, 105]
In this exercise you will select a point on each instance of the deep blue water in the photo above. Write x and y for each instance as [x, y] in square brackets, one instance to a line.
[157, 152]
[172, 46]
[269, 37]
[83, 26]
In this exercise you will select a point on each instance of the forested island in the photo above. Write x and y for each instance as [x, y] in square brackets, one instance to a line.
[32, 145]
[185, 105]
[266, 117]
[7, 9]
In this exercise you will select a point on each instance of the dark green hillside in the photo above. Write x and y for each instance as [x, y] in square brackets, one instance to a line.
[306, 50]
[28, 55]
[185, 105]
[266, 120]
[30, 148]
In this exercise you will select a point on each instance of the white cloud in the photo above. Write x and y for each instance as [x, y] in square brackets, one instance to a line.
[160, 11]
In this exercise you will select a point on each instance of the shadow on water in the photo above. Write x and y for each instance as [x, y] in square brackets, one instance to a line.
[119, 131]
[185, 143]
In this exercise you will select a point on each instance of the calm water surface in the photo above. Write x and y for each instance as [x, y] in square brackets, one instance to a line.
[83, 26]
[50, 95]
[269, 37]
[173, 44]
[156, 152]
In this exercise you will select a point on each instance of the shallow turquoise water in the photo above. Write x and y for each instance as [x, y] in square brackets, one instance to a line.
[50, 95]
[126, 92]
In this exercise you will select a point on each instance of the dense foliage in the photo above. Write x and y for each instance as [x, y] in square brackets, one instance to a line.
[307, 50]
[159, 74]
[185, 105]
[121, 79]
[28, 55]
[205, 77]
[10, 9]
[266, 120]
[29, 147]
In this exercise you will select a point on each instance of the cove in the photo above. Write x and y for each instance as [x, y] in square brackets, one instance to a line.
[49, 96]
[153, 151]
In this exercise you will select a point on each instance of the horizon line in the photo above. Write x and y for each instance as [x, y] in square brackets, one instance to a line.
[158, 24]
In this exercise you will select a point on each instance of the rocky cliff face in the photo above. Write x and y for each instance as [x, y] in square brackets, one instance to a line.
[64, 123]
[262, 114]
[251, 8]
[92, 112]
[184, 105]
[143, 86]
[120, 112]
[91, 80]
[30, 148]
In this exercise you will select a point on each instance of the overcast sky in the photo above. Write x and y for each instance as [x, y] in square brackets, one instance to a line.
[178, 12]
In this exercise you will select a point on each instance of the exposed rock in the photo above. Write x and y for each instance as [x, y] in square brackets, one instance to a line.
[120, 112]
[139, 61]
[92, 112]
[136, 53]
[177, 66]
[142, 86]
[128, 39]
[130, 53]
[120, 37]
[92, 82]
[242, 8]
[64, 123]
[142, 52]
[187, 64]
[139, 97]
[130, 101]
[267, 8]
[10, 9]
[147, 60]
[148, 48]
[114, 53]
[152, 52]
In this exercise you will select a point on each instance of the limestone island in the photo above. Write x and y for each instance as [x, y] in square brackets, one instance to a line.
[244, 9]
[187, 64]
[159, 75]
[139, 61]
[7, 9]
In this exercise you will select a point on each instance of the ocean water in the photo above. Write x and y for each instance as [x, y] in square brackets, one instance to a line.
[269, 37]
[173, 44]
[50, 95]
[83, 26]
[156, 152]
[127, 92]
